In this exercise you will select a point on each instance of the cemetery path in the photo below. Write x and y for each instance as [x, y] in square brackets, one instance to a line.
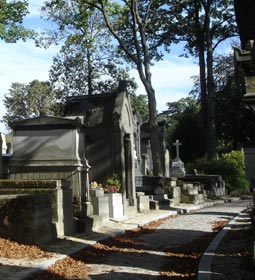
[168, 248]
[171, 250]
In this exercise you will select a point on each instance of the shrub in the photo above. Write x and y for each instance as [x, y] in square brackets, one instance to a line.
[230, 166]
[236, 179]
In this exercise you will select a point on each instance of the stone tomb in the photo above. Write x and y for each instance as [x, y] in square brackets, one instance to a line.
[192, 193]
[213, 185]
[47, 148]
[58, 193]
[112, 141]
[177, 168]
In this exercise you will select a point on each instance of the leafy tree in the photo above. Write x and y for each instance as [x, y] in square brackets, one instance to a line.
[203, 25]
[11, 17]
[234, 123]
[131, 24]
[185, 124]
[86, 64]
[140, 105]
[32, 100]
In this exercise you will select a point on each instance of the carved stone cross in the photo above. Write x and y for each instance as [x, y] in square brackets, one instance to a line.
[177, 144]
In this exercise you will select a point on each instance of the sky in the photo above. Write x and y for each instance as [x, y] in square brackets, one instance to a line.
[22, 62]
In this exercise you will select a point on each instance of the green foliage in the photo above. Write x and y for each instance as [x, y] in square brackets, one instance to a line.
[138, 30]
[185, 124]
[87, 62]
[235, 125]
[113, 181]
[230, 166]
[140, 105]
[202, 26]
[11, 17]
[30, 100]
[237, 180]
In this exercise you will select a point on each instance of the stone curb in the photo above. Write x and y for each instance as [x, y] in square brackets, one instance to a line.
[204, 269]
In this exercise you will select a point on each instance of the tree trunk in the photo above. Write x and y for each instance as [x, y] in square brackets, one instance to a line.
[203, 90]
[211, 132]
[141, 58]
[202, 64]
[153, 123]
[90, 71]
[154, 133]
[210, 120]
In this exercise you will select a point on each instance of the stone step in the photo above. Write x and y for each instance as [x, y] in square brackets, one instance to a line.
[193, 199]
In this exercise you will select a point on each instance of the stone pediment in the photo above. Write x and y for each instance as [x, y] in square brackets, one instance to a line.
[45, 122]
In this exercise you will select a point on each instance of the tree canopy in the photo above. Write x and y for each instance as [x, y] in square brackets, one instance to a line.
[203, 25]
[87, 62]
[11, 19]
[235, 126]
[185, 125]
[234, 123]
[30, 100]
[140, 105]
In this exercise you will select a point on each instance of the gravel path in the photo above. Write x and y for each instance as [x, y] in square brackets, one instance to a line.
[143, 256]
[147, 257]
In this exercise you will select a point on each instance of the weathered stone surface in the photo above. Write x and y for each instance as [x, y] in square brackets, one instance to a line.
[115, 205]
[96, 192]
[176, 199]
[50, 148]
[26, 219]
[58, 192]
[143, 203]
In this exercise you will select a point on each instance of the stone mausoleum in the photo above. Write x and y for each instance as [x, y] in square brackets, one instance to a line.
[112, 137]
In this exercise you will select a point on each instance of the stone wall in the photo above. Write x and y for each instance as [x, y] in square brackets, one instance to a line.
[26, 219]
[58, 193]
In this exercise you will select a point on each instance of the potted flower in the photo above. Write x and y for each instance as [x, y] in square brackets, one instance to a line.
[112, 189]
[112, 184]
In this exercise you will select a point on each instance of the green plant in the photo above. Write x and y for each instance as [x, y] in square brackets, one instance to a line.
[113, 183]
[236, 177]
[230, 166]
